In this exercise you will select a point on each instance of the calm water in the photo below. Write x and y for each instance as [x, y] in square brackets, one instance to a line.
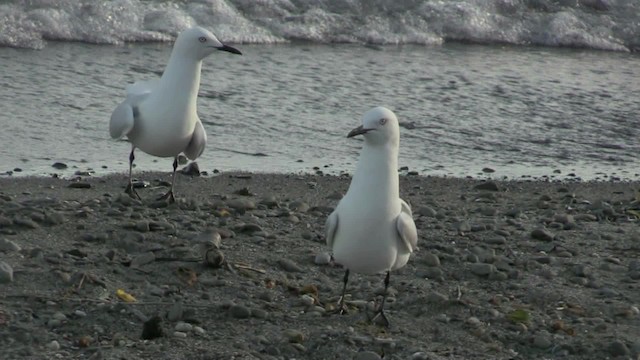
[519, 110]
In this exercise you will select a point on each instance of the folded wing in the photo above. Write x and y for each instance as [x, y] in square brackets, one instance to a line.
[331, 227]
[407, 231]
[197, 143]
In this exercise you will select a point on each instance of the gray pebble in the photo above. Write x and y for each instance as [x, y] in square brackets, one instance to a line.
[487, 185]
[542, 341]
[482, 269]
[542, 234]
[142, 226]
[240, 311]
[175, 312]
[143, 259]
[426, 211]
[293, 336]
[53, 346]
[322, 259]
[6, 273]
[183, 327]
[431, 259]
[8, 246]
[80, 185]
[28, 223]
[496, 240]
[289, 265]
[241, 204]
[618, 348]
[581, 270]
[179, 334]
[299, 206]
[259, 313]
[367, 355]
[53, 218]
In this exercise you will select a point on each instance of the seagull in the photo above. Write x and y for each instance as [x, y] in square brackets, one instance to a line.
[160, 116]
[372, 229]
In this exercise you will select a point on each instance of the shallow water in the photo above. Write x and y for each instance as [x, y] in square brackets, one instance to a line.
[519, 110]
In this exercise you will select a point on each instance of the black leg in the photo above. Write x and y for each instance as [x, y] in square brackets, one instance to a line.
[169, 195]
[130, 190]
[342, 308]
[380, 317]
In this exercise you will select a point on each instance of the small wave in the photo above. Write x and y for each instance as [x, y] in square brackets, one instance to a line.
[595, 24]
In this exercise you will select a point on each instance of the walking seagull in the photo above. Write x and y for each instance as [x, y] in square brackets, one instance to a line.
[372, 229]
[160, 116]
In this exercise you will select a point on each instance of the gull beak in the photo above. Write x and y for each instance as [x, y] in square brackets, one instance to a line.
[360, 130]
[229, 49]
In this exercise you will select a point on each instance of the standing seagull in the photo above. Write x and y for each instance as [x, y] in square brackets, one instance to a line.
[372, 229]
[159, 116]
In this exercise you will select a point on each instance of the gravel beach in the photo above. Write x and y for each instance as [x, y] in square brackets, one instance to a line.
[237, 268]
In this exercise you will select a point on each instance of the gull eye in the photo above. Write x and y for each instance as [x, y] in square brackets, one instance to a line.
[202, 39]
[382, 121]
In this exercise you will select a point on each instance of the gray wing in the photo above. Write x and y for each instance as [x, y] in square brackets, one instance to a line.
[122, 120]
[197, 143]
[331, 227]
[407, 230]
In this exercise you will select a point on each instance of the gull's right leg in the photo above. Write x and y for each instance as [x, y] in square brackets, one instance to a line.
[130, 190]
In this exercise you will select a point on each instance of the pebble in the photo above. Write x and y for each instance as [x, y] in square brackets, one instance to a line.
[198, 330]
[175, 312]
[487, 185]
[143, 259]
[482, 269]
[293, 336]
[6, 273]
[8, 246]
[426, 211]
[240, 311]
[192, 169]
[289, 265]
[496, 240]
[618, 348]
[322, 259]
[241, 204]
[53, 346]
[28, 223]
[367, 355]
[542, 234]
[179, 334]
[431, 259]
[542, 341]
[307, 300]
[59, 165]
[183, 327]
[79, 185]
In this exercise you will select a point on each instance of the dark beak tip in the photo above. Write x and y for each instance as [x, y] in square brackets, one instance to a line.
[230, 49]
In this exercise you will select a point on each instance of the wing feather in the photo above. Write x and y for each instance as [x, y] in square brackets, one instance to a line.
[122, 120]
[406, 227]
[331, 227]
[197, 143]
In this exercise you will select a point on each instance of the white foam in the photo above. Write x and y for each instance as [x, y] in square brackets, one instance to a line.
[597, 24]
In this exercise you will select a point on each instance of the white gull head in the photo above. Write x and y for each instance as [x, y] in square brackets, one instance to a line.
[379, 127]
[198, 43]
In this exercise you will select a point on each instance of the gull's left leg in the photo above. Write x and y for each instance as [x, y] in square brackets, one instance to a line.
[380, 317]
[169, 195]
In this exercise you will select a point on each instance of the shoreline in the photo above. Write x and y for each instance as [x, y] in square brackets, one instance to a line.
[505, 270]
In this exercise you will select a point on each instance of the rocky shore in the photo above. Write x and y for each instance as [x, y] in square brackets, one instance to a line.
[237, 268]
